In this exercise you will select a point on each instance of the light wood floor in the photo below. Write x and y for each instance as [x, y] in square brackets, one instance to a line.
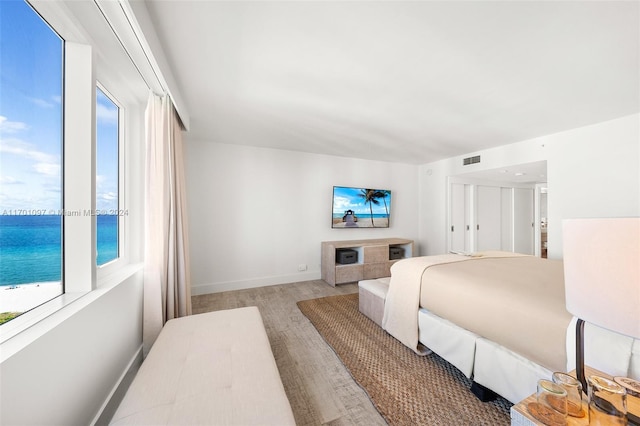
[321, 391]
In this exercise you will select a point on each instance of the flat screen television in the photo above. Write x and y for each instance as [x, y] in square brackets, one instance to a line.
[360, 207]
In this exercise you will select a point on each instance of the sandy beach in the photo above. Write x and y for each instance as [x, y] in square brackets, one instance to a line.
[22, 297]
[363, 222]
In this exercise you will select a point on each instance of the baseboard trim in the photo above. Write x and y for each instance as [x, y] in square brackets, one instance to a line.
[200, 289]
[112, 402]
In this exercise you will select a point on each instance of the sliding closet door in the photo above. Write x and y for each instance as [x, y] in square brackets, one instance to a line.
[523, 220]
[488, 218]
[483, 217]
[507, 219]
[459, 216]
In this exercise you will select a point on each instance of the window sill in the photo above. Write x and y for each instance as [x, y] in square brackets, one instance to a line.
[23, 330]
[35, 315]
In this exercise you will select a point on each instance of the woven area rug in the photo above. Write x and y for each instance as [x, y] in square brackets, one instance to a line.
[407, 389]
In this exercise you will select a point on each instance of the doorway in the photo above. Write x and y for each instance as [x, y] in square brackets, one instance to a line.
[541, 220]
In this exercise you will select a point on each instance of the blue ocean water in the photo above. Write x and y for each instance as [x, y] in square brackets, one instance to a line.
[107, 238]
[31, 247]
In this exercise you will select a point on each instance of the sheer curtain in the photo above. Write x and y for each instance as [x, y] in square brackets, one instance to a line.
[167, 287]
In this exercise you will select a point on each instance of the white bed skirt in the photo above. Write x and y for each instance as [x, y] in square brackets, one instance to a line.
[455, 344]
[512, 376]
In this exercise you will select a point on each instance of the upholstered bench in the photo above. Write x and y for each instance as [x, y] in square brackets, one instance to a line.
[208, 369]
[372, 294]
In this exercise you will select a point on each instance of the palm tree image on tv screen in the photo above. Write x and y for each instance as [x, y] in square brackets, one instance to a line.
[360, 207]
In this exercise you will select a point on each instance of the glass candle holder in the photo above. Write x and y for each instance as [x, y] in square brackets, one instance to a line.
[550, 407]
[574, 393]
[607, 402]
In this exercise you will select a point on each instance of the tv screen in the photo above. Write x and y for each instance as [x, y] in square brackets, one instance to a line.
[360, 207]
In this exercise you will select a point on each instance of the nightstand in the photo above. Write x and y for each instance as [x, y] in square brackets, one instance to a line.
[521, 417]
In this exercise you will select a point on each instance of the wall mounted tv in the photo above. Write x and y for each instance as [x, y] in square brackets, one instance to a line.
[360, 207]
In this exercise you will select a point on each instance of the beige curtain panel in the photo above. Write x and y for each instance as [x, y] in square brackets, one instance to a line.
[167, 286]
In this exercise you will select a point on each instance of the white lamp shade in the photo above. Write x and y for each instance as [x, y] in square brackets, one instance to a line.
[602, 272]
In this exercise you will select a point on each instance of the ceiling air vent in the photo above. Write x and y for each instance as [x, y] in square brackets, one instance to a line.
[471, 160]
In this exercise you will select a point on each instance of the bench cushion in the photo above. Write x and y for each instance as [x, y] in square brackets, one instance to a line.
[372, 294]
[212, 368]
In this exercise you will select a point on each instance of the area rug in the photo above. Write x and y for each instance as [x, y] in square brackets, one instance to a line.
[407, 389]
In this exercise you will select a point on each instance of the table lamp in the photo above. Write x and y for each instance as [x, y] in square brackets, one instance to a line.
[602, 277]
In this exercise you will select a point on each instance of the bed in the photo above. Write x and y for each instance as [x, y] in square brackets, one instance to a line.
[499, 317]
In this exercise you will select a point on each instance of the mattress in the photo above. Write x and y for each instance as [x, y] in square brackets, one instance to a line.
[516, 302]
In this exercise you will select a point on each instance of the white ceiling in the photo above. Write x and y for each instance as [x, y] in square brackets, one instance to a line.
[398, 81]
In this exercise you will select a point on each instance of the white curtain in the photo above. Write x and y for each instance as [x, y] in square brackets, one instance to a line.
[167, 287]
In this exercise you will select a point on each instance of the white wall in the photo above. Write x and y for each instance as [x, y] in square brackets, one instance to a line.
[255, 214]
[593, 171]
[63, 376]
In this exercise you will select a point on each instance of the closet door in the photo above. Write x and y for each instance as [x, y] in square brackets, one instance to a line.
[488, 218]
[507, 219]
[459, 216]
[523, 220]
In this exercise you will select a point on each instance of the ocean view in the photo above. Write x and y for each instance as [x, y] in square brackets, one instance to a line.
[30, 247]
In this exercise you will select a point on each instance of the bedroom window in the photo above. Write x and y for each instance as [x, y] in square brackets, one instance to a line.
[107, 178]
[31, 141]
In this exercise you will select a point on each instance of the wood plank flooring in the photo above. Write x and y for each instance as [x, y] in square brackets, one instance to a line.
[321, 391]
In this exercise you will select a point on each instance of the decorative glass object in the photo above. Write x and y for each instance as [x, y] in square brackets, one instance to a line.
[550, 407]
[574, 393]
[607, 402]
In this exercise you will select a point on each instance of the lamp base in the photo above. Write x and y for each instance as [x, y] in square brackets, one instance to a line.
[580, 354]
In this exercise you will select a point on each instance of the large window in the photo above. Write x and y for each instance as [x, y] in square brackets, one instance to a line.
[70, 184]
[107, 178]
[31, 89]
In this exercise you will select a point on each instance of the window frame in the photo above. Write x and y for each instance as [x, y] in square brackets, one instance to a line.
[108, 268]
[79, 25]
